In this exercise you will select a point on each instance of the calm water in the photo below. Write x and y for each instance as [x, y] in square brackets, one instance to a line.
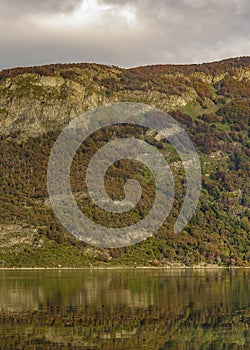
[125, 309]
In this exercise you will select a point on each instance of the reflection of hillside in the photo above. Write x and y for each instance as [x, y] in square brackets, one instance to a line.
[106, 291]
[123, 328]
[17, 300]
[133, 309]
[134, 289]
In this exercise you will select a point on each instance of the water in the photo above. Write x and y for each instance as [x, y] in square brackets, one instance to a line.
[125, 309]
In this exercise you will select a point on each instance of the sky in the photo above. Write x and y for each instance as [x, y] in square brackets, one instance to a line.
[125, 33]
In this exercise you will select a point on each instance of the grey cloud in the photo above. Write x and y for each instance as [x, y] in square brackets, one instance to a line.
[193, 29]
[27, 7]
[168, 31]
[188, 13]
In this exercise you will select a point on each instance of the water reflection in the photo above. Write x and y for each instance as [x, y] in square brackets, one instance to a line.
[125, 309]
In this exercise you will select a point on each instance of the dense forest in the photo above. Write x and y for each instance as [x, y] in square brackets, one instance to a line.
[211, 101]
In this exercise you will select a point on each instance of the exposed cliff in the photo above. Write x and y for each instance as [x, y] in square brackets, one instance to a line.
[36, 100]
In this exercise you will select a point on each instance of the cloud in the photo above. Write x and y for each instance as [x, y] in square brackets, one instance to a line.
[13, 8]
[123, 32]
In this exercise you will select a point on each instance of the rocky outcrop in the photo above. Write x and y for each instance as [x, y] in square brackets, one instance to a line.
[32, 104]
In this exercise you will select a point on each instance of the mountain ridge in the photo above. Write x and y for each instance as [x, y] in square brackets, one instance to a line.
[75, 88]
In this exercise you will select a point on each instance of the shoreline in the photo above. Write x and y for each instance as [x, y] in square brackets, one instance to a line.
[127, 268]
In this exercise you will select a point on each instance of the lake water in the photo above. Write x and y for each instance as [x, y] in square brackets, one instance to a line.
[125, 309]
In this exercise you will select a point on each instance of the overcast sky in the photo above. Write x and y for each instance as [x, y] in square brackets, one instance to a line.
[122, 32]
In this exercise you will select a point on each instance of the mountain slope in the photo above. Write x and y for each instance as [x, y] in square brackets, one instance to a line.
[211, 101]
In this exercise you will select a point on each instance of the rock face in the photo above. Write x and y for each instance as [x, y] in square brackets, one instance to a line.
[15, 235]
[32, 105]
[34, 101]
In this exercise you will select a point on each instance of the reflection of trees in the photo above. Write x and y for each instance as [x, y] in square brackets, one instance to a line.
[119, 309]
[173, 290]
[152, 328]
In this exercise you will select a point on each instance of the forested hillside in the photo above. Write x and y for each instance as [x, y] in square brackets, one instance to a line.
[211, 101]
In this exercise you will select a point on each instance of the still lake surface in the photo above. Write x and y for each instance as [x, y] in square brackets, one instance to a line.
[125, 309]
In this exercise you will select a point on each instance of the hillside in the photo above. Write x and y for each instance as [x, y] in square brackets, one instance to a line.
[211, 101]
